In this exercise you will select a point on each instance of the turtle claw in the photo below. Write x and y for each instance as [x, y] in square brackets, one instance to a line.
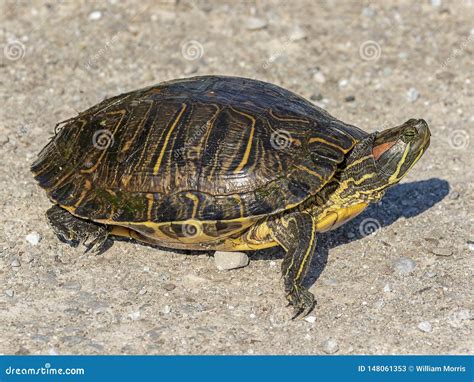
[99, 236]
[302, 300]
[97, 245]
[75, 231]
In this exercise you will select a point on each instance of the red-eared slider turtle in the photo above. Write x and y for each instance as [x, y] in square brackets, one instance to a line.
[219, 163]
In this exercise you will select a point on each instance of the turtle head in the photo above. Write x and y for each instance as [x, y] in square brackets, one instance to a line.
[381, 159]
[397, 149]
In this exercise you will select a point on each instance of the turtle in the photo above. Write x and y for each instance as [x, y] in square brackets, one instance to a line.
[219, 163]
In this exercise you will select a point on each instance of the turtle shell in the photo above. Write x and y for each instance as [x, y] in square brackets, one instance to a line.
[209, 148]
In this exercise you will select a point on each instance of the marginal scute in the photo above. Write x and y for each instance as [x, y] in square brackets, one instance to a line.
[208, 148]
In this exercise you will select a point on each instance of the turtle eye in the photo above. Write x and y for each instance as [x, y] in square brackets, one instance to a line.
[409, 134]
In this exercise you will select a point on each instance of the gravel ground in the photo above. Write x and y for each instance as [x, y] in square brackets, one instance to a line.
[398, 279]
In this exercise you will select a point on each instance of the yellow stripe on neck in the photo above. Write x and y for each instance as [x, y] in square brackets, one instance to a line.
[394, 177]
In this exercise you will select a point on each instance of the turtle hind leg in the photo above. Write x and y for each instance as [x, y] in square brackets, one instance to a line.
[75, 231]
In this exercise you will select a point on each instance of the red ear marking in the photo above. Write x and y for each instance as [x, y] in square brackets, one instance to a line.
[377, 151]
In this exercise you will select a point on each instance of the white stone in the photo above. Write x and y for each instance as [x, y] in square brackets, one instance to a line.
[456, 318]
[167, 309]
[96, 15]
[404, 265]
[297, 33]
[310, 319]
[387, 288]
[412, 95]
[134, 315]
[368, 12]
[319, 77]
[33, 238]
[330, 346]
[15, 263]
[464, 314]
[343, 83]
[425, 326]
[230, 260]
[254, 23]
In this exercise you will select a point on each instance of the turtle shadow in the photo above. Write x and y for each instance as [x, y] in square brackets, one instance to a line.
[404, 200]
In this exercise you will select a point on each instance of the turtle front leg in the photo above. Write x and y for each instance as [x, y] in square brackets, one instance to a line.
[296, 233]
[76, 231]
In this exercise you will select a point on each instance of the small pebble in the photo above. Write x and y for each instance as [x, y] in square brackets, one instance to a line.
[387, 288]
[436, 3]
[350, 98]
[310, 319]
[425, 326]
[230, 260]
[412, 95]
[454, 195]
[134, 315]
[33, 238]
[368, 12]
[16, 263]
[297, 33]
[432, 241]
[404, 265]
[319, 77]
[330, 346]
[255, 23]
[456, 318]
[10, 292]
[167, 309]
[169, 287]
[316, 97]
[343, 83]
[142, 291]
[439, 251]
[464, 314]
[379, 304]
[470, 245]
[96, 15]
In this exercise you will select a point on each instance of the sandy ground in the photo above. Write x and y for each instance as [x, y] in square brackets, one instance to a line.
[406, 288]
